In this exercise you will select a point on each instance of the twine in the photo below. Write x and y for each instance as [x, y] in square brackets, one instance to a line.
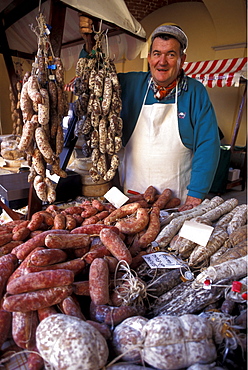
[136, 290]
[224, 331]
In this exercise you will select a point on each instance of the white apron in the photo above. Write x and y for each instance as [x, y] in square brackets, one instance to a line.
[155, 154]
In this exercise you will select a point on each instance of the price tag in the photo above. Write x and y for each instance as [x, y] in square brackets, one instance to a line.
[116, 197]
[55, 178]
[196, 232]
[161, 260]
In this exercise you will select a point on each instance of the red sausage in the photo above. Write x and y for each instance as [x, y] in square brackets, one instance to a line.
[24, 326]
[45, 312]
[5, 238]
[89, 211]
[102, 328]
[21, 234]
[81, 287]
[115, 245]
[134, 225]
[46, 257]
[90, 220]
[20, 270]
[99, 281]
[121, 212]
[36, 221]
[93, 229]
[5, 325]
[36, 300]
[67, 241]
[21, 225]
[7, 248]
[59, 222]
[76, 266]
[78, 218]
[35, 361]
[151, 232]
[173, 202]
[96, 251]
[150, 193]
[70, 222]
[163, 199]
[70, 306]
[8, 264]
[111, 315]
[103, 214]
[40, 280]
[74, 210]
[47, 218]
[97, 204]
[23, 250]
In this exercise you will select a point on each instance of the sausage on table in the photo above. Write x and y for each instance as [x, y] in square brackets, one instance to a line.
[32, 301]
[115, 245]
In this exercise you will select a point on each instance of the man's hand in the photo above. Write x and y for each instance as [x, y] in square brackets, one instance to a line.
[191, 202]
[85, 24]
[86, 30]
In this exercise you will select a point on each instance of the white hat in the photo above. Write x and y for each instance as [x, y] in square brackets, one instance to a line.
[172, 30]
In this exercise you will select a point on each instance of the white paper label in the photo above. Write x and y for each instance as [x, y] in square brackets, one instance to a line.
[55, 178]
[116, 197]
[161, 260]
[196, 232]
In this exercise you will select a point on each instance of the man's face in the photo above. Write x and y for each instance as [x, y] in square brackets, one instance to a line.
[165, 60]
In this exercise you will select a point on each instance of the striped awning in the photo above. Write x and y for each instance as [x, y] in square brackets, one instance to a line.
[223, 72]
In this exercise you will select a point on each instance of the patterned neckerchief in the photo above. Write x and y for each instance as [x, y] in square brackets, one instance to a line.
[182, 85]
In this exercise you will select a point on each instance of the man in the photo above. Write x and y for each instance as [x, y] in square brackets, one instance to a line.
[170, 133]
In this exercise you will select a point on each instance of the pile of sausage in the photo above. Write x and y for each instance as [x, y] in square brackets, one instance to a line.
[74, 260]
[49, 262]
[98, 110]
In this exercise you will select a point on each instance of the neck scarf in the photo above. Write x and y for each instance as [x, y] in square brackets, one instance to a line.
[161, 92]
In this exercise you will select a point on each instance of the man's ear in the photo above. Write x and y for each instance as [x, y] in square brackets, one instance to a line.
[183, 58]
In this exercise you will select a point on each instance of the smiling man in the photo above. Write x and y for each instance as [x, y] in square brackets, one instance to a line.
[170, 132]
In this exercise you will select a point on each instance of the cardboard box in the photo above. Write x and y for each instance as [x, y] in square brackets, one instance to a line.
[233, 174]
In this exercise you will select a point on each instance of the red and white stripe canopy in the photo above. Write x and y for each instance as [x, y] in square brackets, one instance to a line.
[224, 72]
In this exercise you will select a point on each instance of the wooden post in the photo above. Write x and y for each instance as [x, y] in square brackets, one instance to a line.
[238, 120]
[57, 22]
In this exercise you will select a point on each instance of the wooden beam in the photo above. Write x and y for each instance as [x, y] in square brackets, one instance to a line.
[238, 120]
[57, 23]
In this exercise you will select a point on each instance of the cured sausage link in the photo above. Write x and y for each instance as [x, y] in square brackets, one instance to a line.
[33, 301]
[40, 280]
[8, 264]
[23, 250]
[115, 245]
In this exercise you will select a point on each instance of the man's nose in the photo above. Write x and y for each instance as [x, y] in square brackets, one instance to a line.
[163, 59]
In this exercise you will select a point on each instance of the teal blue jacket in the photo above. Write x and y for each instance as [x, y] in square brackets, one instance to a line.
[197, 124]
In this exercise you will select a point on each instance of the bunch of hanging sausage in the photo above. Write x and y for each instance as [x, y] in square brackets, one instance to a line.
[43, 104]
[98, 110]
